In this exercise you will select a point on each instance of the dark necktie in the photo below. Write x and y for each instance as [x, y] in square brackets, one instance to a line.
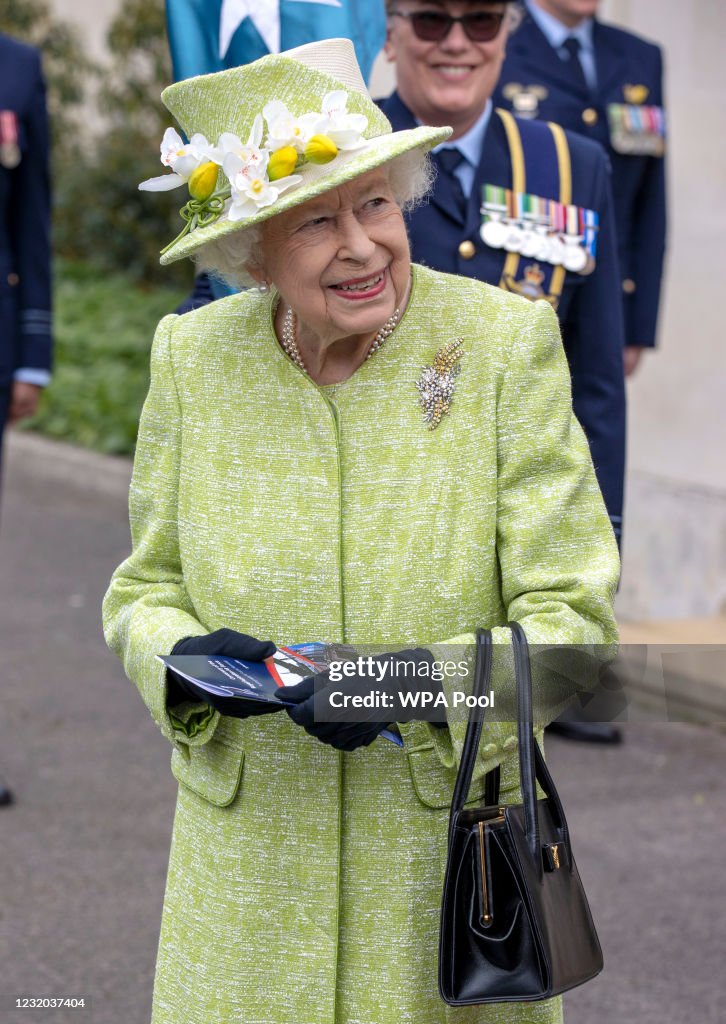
[572, 46]
[448, 160]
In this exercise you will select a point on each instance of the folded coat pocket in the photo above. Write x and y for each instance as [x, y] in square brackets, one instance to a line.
[213, 771]
[433, 765]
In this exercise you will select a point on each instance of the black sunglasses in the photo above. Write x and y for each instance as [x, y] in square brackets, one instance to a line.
[434, 26]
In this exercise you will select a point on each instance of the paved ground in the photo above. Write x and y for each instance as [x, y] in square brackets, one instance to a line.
[83, 852]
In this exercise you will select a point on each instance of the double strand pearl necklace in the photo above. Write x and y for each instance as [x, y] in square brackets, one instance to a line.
[290, 345]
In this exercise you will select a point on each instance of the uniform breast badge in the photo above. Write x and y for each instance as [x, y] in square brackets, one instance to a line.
[636, 130]
[530, 287]
[9, 147]
[525, 99]
[636, 94]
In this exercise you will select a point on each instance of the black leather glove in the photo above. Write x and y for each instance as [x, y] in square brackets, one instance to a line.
[311, 698]
[230, 644]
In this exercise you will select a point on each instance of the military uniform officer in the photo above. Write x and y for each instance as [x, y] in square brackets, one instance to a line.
[564, 65]
[446, 73]
[25, 281]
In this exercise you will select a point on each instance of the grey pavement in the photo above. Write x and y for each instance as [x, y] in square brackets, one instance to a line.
[83, 851]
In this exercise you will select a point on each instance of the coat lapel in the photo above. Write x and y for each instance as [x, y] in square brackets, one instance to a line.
[442, 196]
[495, 168]
[611, 64]
[532, 51]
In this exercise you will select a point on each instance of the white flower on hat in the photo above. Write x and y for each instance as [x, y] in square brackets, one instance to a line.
[183, 159]
[251, 187]
[284, 129]
[343, 128]
[258, 173]
[334, 122]
[250, 153]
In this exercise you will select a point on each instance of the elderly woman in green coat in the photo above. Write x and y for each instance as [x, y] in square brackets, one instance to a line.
[358, 450]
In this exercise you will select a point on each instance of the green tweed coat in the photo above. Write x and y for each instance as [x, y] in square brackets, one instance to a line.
[304, 884]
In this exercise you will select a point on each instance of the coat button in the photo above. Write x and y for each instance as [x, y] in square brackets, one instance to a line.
[13, 279]
[510, 744]
[629, 286]
[489, 750]
[589, 116]
[467, 249]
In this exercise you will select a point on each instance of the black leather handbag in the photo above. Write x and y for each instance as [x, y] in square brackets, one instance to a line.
[515, 922]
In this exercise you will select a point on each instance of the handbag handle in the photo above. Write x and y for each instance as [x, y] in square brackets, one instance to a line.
[482, 675]
[525, 735]
[532, 767]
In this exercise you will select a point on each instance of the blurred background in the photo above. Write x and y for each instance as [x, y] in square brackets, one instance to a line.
[106, 64]
[83, 850]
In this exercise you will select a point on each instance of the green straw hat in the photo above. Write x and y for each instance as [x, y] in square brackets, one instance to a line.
[270, 135]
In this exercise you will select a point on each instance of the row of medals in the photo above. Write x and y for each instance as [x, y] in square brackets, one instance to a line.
[9, 155]
[535, 239]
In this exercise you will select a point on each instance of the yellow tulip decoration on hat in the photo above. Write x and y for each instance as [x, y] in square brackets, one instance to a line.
[257, 174]
[270, 135]
[203, 181]
[282, 163]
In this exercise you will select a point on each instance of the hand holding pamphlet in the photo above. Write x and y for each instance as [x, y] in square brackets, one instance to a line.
[233, 679]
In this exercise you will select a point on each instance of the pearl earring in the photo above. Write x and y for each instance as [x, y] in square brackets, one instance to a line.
[263, 287]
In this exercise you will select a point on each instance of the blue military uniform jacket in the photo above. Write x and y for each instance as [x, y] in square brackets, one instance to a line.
[590, 310]
[537, 82]
[25, 280]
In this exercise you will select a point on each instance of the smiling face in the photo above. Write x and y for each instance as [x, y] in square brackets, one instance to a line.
[446, 82]
[340, 261]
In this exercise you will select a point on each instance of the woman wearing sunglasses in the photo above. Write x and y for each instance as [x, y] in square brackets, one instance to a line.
[448, 56]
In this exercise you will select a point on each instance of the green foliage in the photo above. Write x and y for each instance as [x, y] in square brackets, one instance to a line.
[100, 213]
[68, 71]
[108, 303]
[104, 327]
[140, 69]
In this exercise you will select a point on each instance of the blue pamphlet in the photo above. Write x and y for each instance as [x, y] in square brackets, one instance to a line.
[256, 680]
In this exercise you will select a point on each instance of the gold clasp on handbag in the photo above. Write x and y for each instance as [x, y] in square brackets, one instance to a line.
[551, 856]
[486, 915]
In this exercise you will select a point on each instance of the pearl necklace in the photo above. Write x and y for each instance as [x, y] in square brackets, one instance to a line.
[290, 345]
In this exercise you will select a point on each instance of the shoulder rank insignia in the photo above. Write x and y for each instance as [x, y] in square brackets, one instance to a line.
[525, 99]
[636, 93]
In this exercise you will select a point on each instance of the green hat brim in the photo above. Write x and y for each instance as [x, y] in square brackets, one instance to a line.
[317, 180]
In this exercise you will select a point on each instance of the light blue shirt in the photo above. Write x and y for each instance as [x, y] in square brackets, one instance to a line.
[555, 33]
[31, 376]
[470, 146]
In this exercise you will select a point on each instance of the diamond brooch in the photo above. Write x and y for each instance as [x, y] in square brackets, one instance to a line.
[437, 382]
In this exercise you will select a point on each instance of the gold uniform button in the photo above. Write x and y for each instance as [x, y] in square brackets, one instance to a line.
[629, 286]
[467, 250]
[589, 116]
[13, 279]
